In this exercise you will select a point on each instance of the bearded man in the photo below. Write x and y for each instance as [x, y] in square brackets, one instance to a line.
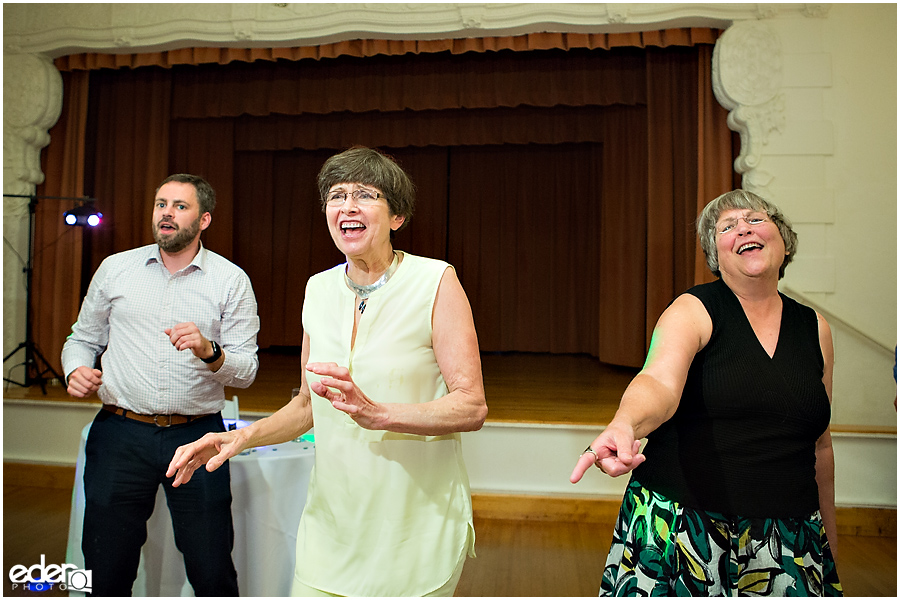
[172, 324]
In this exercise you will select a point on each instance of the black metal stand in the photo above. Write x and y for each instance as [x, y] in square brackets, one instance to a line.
[35, 362]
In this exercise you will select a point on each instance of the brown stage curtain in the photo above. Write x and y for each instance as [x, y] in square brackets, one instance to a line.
[524, 235]
[716, 150]
[578, 211]
[686, 36]
[512, 220]
[129, 121]
[523, 125]
[431, 82]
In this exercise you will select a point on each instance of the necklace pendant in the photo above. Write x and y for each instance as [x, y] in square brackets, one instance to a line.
[362, 306]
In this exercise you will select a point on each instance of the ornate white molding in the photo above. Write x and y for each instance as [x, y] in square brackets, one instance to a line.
[471, 17]
[59, 29]
[818, 11]
[747, 74]
[32, 101]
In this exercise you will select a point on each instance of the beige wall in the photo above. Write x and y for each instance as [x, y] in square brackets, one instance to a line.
[863, 171]
[842, 99]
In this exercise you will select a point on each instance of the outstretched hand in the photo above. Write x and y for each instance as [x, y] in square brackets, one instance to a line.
[338, 387]
[615, 452]
[212, 450]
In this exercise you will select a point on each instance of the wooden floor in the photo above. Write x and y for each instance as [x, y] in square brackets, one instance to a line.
[515, 558]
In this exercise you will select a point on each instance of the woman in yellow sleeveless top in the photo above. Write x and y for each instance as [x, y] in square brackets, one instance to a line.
[392, 375]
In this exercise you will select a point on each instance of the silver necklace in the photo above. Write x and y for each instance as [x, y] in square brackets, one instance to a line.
[364, 291]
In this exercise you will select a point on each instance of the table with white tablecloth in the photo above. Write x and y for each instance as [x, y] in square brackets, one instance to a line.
[268, 486]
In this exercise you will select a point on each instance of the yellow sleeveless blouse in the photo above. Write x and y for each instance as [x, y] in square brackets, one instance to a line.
[387, 514]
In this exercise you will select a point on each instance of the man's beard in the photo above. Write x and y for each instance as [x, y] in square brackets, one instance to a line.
[179, 240]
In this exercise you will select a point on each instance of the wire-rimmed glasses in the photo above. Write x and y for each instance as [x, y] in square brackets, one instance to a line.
[360, 196]
[752, 219]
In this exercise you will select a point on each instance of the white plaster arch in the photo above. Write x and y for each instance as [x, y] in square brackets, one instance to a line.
[35, 32]
[32, 102]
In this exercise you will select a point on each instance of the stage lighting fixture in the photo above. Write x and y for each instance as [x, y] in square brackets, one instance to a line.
[83, 215]
[37, 368]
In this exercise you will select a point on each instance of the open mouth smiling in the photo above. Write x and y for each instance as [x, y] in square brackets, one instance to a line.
[352, 227]
[749, 246]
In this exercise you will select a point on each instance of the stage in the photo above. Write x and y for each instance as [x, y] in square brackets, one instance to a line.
[520, 387]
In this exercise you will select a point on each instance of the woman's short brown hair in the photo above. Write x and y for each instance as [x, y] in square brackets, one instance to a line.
[370, 167]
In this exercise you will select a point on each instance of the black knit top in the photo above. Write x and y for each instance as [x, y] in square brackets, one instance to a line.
[742, 441]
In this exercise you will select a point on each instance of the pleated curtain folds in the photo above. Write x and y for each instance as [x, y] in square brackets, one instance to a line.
[560, 179]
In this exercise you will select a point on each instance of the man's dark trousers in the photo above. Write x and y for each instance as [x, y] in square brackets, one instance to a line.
[125, 463]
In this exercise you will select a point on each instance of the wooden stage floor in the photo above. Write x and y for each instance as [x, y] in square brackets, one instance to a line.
[532, 388]
[520, 387]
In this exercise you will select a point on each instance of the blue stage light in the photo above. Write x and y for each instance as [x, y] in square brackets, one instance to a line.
[83, 215]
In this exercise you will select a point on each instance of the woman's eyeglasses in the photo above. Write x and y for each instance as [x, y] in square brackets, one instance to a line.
[361, 197]
[753, 219]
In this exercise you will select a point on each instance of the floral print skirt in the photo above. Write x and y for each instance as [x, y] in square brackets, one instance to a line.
[660, 548]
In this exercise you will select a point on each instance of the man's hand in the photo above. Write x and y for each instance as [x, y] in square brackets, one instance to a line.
[84, 381]
[187, 336]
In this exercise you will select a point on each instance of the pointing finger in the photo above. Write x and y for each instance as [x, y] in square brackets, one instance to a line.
[584, 463]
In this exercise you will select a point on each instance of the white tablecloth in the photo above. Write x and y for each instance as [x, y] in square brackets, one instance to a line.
[268, 486]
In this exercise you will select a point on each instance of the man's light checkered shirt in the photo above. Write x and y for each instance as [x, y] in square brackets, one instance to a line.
[132, 299]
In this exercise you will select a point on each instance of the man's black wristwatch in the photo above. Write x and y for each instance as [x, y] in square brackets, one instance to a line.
[217, 353]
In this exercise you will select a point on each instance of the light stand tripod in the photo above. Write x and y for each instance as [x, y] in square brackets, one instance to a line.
[34, 359]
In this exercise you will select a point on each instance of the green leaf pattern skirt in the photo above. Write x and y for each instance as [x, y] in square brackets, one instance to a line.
[661, 548]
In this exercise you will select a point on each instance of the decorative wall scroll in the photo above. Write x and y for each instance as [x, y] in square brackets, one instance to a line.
[747, 76]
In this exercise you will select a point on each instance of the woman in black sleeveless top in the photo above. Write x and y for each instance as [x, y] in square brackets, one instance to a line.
[734, 492]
